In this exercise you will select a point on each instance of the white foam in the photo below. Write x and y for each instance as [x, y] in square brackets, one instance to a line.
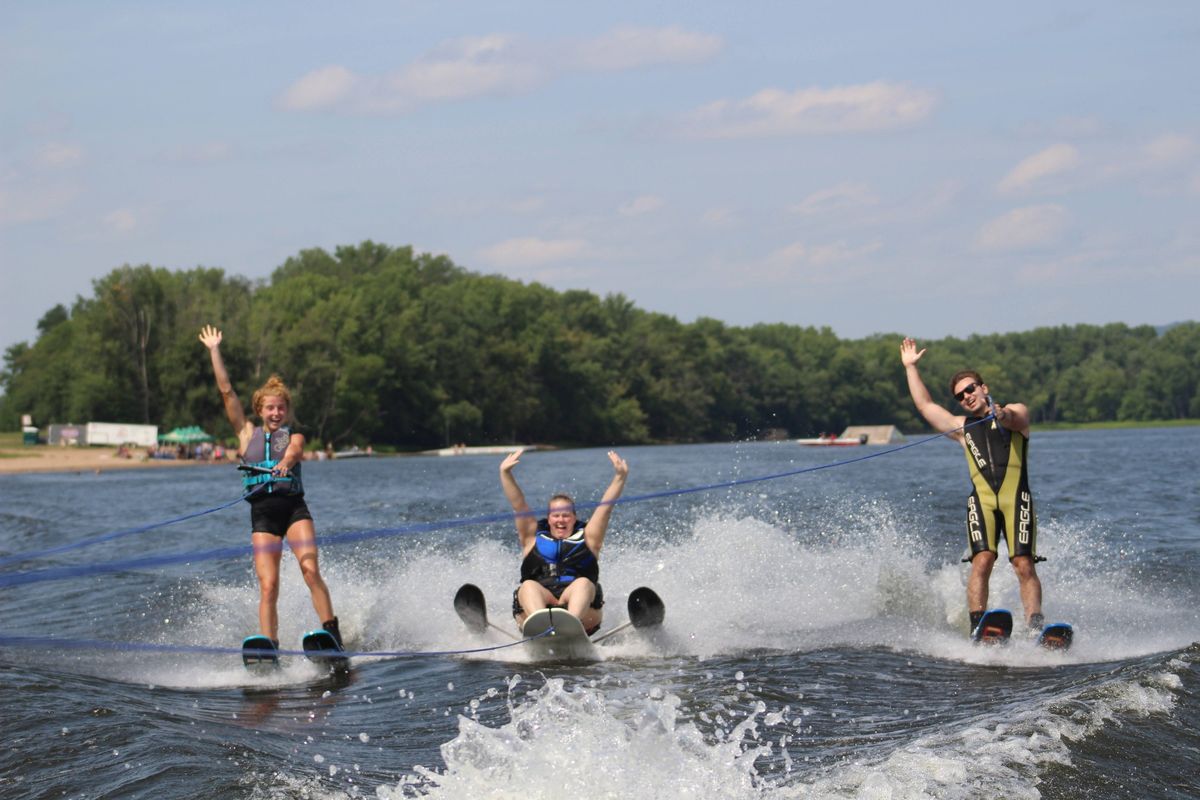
[859, 577]
[578, 743]
[582, 741]
[1001, 756]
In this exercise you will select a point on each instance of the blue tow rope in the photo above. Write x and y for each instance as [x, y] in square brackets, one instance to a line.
[55, 643]
[105, 567]
[108, 537]
[59, 573]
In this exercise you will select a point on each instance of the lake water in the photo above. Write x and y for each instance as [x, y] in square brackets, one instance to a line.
[814, 644]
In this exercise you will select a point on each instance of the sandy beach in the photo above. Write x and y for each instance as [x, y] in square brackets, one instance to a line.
[44, 458]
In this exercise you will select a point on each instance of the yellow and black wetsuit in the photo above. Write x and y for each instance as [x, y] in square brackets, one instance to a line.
[997, 460]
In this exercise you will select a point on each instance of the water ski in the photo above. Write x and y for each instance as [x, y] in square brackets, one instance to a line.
[646, 609]
[557, 634]
[259, 651]
[994, 628]
[320, 647]
[471, 608]
[1056, 636]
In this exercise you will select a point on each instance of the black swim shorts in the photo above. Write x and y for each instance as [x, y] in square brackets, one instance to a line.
[275, 513]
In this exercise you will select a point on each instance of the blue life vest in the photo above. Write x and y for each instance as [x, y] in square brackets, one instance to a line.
[556, 562]
[266, 449]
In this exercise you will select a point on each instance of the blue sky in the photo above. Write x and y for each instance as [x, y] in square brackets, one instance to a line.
[932, 168]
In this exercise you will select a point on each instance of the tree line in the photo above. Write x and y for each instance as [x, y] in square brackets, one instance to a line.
[384, 345]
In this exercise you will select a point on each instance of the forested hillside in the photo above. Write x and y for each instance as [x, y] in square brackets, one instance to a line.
[383, 345]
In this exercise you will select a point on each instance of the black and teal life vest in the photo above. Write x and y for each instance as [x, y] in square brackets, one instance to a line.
[556, 562]
[266, 449]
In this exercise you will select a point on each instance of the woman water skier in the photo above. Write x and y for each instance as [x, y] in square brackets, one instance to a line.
[277, 507]
[560, 554]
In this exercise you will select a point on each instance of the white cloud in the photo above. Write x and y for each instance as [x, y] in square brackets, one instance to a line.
[459, 69]
[719, 217]
[319, 89]
[456, 70]
[1054, 160]
[774, 112]
[790, 254]
[802, 264]
[645, 204]
[836, 198]
[533, 252]
[1169, 149]
[821, 255]
[58, 155]
[1161, 165]
[1024, 228]
[493, 64]
[630, 48]
[122, 220]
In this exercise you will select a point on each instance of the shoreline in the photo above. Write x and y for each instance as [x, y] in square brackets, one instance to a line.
[24, 460]
[97, 459]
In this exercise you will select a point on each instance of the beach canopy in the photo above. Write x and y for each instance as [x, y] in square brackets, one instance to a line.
[187, 435]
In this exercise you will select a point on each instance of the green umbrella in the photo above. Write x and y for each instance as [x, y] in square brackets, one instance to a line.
[186, 435]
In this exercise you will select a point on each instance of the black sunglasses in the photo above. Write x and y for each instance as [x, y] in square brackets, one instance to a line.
[966, 390]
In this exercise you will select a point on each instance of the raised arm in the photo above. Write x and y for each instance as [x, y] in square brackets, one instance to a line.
[522, 513]
[597, 526]
[941, 419]
[210, 337]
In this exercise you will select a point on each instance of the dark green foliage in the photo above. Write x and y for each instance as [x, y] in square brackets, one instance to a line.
[386, 346]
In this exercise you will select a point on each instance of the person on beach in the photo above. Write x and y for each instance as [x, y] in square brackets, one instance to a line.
[995, 439]
[560, 553]
[277, 507]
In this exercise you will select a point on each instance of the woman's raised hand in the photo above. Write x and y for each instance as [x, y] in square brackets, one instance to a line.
[210, 337]
[511, 460]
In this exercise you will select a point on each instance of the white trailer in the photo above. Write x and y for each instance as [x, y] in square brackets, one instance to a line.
[118, 433]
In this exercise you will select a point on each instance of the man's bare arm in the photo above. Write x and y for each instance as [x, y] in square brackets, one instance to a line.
[938, 417]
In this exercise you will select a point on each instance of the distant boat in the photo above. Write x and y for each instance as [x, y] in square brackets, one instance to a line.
[482, 450]
[856, 435]
[833, 440]
[353, 452]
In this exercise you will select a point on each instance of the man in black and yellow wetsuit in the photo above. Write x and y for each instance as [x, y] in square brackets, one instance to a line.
[996, 453]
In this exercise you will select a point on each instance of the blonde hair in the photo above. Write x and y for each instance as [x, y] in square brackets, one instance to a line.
[274, 387]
